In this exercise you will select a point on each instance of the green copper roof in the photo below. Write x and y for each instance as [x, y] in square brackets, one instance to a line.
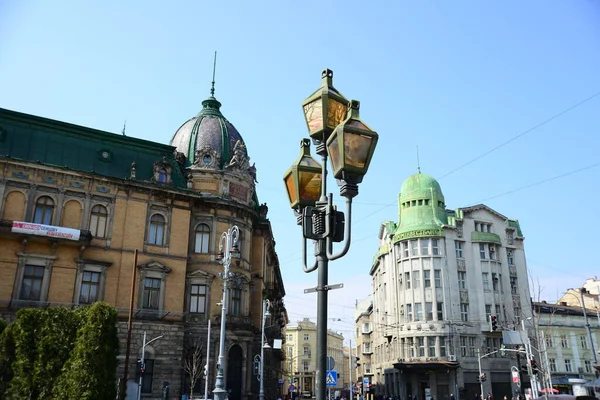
[45, 141]
[421, 207]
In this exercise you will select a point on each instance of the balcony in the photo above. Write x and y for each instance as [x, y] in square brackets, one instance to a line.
[48, 233]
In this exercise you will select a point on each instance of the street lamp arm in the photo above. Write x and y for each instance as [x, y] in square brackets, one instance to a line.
[304, 267]
[150, 341]
[347, 234]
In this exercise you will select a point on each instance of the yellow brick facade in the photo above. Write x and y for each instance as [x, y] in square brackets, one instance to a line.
[170, 254]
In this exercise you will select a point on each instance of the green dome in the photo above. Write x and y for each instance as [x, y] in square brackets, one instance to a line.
[421, 204]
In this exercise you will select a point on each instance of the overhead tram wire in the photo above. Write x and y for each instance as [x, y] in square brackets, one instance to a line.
[555, 116]
[540, 182]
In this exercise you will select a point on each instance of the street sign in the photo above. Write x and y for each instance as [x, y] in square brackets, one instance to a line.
[330, 363]
[331, 379]
[291, 388]
[365, 381]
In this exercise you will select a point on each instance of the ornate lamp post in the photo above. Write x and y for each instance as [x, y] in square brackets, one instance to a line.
[229, 240]
[336, 130]
[263, 346]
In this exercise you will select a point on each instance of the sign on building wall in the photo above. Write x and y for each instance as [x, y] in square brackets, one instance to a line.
[45, 230]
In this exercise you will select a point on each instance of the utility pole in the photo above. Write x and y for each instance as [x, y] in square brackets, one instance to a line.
[350, 369]
[129, 326]
[480, 372]
[207, 362]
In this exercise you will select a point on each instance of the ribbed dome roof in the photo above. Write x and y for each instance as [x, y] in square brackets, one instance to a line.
[420, 186]
[208, 129]
[421, 204]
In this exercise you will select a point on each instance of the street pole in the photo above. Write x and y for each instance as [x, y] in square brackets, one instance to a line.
[587, 326]
[142, 361]
[142, 367]
[350, 369]
[207, 362]
[129, 326]
[480, 372]
[230, 238]
[265, 314]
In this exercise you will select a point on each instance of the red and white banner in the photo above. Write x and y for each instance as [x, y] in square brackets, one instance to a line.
[45, 230]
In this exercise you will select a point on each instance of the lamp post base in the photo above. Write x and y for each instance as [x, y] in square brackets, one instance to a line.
[220, 394]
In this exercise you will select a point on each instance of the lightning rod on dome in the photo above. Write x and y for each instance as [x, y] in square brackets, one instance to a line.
[418, 161]
[124, 126]
[212, 88]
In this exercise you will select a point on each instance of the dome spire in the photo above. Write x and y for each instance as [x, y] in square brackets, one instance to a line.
[212, 88]
[418, 161]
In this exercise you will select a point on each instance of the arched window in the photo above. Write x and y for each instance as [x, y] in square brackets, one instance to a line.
[202, 238]
[156, 233]
[162, 175]
[44, 209]
[98, 221]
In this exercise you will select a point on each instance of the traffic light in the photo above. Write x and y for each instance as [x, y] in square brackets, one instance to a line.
[534, 367]
[493, 323]
[478, 378]
[357, 364]
[483, 377]
[503, 351]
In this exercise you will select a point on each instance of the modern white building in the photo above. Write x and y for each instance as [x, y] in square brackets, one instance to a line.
[438, 278]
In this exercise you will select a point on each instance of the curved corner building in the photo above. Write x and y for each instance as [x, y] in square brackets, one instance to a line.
[439, 279]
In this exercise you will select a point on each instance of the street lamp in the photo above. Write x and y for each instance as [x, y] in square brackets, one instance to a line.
[228, 250]
[336, 130]
[582, 291]
[263, 345]
[142, 360]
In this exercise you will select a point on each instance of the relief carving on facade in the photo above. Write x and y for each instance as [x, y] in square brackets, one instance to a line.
[464, 296]
[510, 240]
[460, 265]
[206, 158]
[459, 229]
[512, 270]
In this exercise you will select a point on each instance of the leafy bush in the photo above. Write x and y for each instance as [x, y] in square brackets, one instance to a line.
[60, 353]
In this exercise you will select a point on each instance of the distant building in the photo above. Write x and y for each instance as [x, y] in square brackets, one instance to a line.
[301, 353]
[77, 202]
[439, 278]
[567, 351]
[364, 345]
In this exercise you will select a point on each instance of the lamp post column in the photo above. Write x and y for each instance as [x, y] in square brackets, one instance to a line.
[265, 311]
[229, 238]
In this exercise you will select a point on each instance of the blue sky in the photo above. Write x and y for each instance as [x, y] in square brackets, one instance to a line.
[457, 79]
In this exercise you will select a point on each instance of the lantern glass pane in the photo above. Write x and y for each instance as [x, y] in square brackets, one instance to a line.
[291, 188]
[336, 113]
[334, 152]
[313, 112]
[358, 124]
[310, 185]
[356, 149]
[308, 161]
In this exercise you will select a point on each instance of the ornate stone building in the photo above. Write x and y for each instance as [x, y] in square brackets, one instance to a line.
[77, 202]
[438, 278]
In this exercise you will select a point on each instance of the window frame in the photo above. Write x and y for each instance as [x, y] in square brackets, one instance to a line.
[464, 312]
[485, 277]
[98, 216]
[33, 260]
[462, 279]
[33, 277]
[152, 239]
[205, 239]
[458, 249]
[198, 296]
[155, 270]
[44, 207]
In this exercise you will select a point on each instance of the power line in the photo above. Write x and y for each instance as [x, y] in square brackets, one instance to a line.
[540, 182]
[523, 133]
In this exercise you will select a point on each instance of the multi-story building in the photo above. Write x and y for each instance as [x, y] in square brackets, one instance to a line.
[301, 353]
[567, 348]
[364, 345]
[438, 278]
[76, 205]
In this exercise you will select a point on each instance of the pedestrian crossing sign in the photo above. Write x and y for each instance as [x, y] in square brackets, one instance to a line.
[331, 378]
